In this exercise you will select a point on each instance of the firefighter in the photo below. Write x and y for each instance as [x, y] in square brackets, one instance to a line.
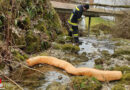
[73, 21]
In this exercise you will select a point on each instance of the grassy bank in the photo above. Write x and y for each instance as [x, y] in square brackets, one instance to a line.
[99, 20]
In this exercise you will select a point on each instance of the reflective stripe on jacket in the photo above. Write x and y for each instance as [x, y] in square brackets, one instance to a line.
[76, 15]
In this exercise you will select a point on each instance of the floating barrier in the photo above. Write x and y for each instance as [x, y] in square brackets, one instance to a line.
[100, 75]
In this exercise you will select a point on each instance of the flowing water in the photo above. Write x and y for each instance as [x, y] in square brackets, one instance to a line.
[93, 47]
[54, 76]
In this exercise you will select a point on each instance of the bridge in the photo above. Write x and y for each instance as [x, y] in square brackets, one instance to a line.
[93, 12]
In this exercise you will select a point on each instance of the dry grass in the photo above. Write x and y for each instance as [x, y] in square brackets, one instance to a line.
[122, 27]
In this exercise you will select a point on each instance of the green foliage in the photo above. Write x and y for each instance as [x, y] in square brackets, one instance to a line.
[32, 42]
[2, 21]
[56, 86]
[19, 56]
[2, 65]
[99, 67]
[24, 24]
[99, 61]
[124, 69]
[70, 47]
[101, 27]
[31, 12]
[67, 47]
[126, 78]
[118, 87]
[41, 26]
[29, 16]
[124, 50]
[85, 83]
[45, 45]
[98, 20]
[126, 75]
[19, 38]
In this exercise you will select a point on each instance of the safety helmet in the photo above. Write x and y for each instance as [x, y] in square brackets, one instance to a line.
[86, 6]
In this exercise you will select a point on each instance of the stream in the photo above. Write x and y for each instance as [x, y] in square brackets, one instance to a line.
[91, 46]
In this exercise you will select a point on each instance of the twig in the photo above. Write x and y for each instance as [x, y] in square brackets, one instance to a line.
[11, 80]
[33, 69]
[27, 67]
[21, 81]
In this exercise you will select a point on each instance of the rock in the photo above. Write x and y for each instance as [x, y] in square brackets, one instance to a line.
[60, 77]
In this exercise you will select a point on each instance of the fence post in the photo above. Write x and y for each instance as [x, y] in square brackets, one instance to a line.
[89, 22]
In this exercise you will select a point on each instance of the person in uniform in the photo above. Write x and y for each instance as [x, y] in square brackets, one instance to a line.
[73, 21]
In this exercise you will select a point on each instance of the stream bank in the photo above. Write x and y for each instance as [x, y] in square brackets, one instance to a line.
[100, 53]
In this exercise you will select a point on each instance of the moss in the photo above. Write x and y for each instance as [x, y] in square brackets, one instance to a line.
[57, 46]
[28, 76]
[99, 61]
[60, 39]
[123, 69]
[68, 38]
[45, 45]
[124, 50]
[70, 47]
[67, 47]
[83, 57]
[85, 83]
[1, 22]
[99, 67]
[33, 43]
[118, 44]
[19, 56]
[44, 54]
[56, 86]
[9, 86]
[32, 48]
[39, 8]
[127, 57]
[126, 79]
[19, 38]
[118, 87]
[24, 24]
[41, 26]
[2, 65]
[53, 16]
[26, 16]
[105, 53]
